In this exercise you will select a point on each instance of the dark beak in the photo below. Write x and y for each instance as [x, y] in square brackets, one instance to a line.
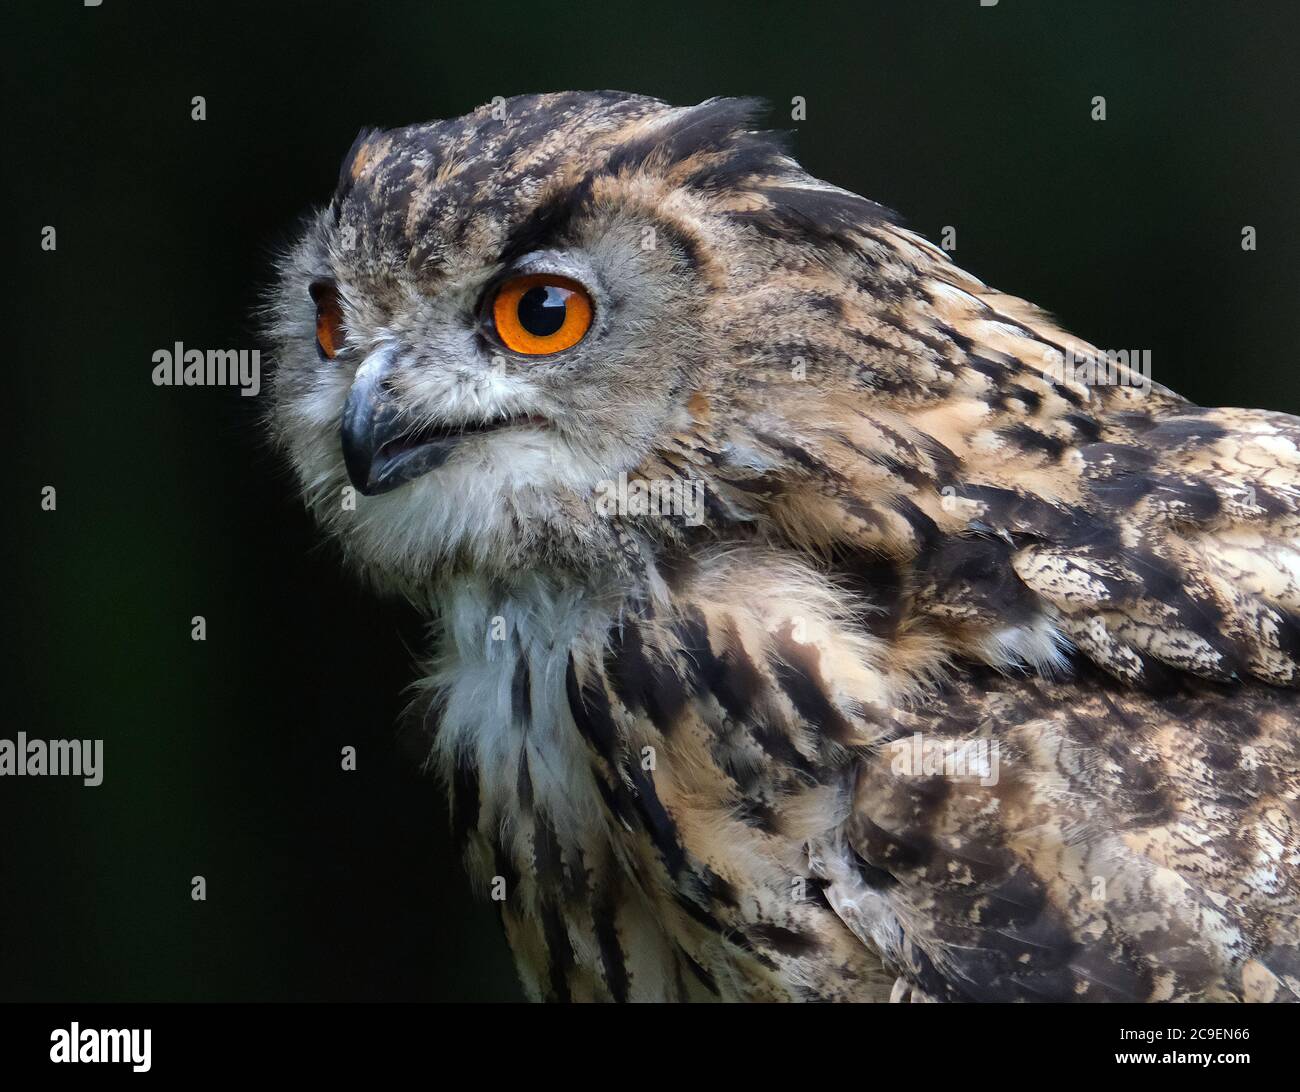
[380, 447]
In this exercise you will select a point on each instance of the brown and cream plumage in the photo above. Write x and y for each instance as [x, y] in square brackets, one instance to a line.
[679, 745]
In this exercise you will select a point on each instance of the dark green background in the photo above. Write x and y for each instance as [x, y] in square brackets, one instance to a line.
[222, 758]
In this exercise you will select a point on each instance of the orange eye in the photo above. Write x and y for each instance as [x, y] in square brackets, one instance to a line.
[541, 313]
[329, 319]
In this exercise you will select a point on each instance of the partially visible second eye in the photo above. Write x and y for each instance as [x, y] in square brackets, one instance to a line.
[541, 313]
[329, 318]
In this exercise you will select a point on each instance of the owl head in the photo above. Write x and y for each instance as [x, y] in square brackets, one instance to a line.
[499, 316]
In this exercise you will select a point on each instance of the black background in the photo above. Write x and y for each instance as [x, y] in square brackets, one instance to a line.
[222, 757]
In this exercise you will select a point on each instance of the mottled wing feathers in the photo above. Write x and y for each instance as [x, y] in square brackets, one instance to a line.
[1125, 851]
[1205, 575]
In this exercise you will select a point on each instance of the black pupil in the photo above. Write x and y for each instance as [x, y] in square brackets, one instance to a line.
[541, 309]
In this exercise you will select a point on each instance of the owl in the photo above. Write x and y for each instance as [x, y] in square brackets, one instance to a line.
[809, 620]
